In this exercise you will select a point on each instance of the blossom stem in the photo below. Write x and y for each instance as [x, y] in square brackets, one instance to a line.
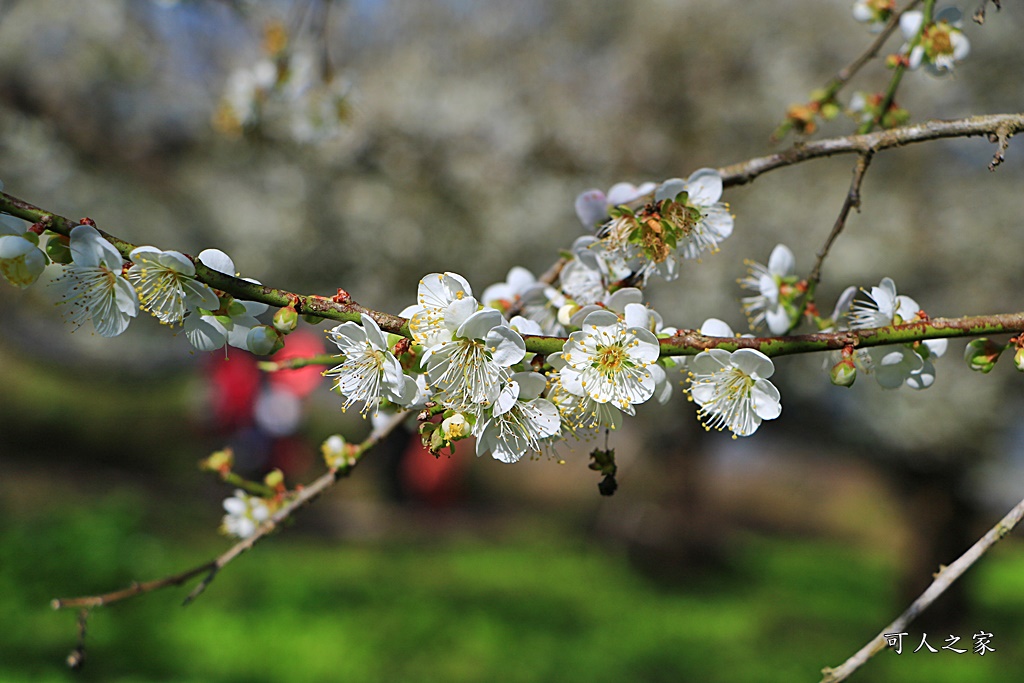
[295, 363]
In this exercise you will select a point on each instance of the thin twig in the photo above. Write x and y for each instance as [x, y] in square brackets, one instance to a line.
[212, 567]
[943, 580]
[1001, 137]
[852, 201]
[746, 171]
[848, 72]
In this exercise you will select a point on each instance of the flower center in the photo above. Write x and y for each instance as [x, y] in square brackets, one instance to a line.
[611, 359]
[940, 41]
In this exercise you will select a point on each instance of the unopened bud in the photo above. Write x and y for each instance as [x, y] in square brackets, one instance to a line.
[220, 461]
[274, 479]
[1018, 359]
[566, 312]
[264, 340]
[981, 354]
[286, 319]
[843, 373]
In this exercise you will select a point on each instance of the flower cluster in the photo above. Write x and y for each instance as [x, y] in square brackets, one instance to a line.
[95, 285]
[677, 219]
[467, 359]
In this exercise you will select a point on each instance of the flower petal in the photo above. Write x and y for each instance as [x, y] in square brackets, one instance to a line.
[704, 187]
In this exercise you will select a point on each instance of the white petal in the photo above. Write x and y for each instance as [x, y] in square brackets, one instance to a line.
[591, 207]
[600, 319]
[669, 189]
[713, 327]
[531, 384]
[754, 363]
[937, 347]
[710, 361]
[765, 400]
[507, 398]
[647, 350]
[217, 260]
[704, 187]
[637, 315]
[910, 24]
[781, 262]
[477, 325]
[373, 333]
[623, 297]
[90, 249]
[205, 332]
[200, 295]
[777, 320]
[507, 347]
[459, 312]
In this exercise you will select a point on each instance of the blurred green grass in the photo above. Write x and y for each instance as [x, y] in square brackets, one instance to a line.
[533, 607]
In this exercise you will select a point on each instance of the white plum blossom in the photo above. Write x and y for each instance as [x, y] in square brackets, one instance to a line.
[610, 362]
[579, 412]
[583, 281]
[732, 389]
[245, 513]
[92, 285]
[541, 303]
[442, 299]
[370, 371]
[505, 295]
[767, 308]
[895, 365]
[519, 421]
[230, 323]
[941, 43]
[466, 372]
[883, 307]
[21, 259]
[715, 223]
[166, 285]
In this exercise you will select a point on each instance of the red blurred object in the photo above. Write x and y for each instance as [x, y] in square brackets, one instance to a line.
[236, 383]
[302, 381]
[436, 481]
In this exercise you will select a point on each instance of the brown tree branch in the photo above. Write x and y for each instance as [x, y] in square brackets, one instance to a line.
[943, 580]
[852, 201]
[746, 171]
